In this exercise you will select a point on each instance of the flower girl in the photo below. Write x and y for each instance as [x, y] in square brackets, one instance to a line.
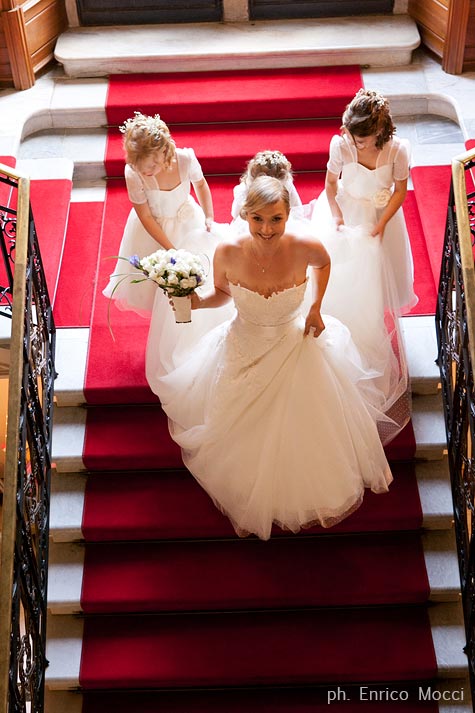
[159, 176]
[359, 218]
[164, 215]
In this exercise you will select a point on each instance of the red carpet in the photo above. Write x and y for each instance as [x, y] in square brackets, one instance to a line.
[233, 95]
[258, 648]
[188, 576]
[226, 148]
[431, 189]
[180, 614]
[115, 367]
[170, 505]
[51, 224]
[344, 699]
[73, 301]
[425, 285]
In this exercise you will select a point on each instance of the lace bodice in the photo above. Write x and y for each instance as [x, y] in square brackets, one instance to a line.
[279, 308]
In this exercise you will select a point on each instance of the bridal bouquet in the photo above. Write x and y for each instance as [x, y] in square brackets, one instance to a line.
[176, 272]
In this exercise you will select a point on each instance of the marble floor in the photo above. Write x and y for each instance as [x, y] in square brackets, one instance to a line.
[63, 117]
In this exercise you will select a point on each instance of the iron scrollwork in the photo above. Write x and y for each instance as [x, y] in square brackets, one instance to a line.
[456, 346]
[30, 464]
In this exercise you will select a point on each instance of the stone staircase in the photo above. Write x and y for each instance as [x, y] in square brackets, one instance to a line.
[63, 115]
[69, 481]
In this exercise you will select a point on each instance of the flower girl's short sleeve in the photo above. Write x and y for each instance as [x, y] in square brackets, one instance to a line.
[335, 159]
[195, 171]
[402, 160]
[135, 187]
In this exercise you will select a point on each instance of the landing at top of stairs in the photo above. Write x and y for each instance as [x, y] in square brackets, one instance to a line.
[377, 41]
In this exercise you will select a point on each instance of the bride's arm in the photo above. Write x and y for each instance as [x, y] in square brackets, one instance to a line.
[319, 260]
[219, 294]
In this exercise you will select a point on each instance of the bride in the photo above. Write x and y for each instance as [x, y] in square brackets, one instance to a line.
[276, 415]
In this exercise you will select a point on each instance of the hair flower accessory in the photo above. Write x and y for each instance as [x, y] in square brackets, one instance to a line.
[151, 124]
[381, 198]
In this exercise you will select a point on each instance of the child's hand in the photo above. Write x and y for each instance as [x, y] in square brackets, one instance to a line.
[208, 224]
[378, 231]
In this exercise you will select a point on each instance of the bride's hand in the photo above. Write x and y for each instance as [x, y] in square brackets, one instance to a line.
[195, 300]
[314, 322]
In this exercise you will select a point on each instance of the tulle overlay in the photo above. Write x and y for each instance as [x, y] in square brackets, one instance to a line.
[169, 343]
[361, 294]
[277, 427]
[371, 281]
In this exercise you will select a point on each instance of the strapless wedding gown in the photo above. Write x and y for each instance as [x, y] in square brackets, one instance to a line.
[277, 427]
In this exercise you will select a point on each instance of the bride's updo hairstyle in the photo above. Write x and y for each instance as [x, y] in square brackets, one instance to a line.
[143, 136]
[264, 191]
[368, 114]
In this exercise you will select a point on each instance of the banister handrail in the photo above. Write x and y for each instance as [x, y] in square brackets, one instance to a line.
[25, 530]
[455, 327]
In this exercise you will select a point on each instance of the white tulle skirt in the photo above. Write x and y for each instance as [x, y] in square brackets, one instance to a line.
[275, 426]
[362, 294]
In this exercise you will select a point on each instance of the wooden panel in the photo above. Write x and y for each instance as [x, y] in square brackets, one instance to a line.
[44, 22]
[431, 14]
[134, 12]
[293, 9]
[454, 48]
[431, 41]
[15, 36]
[469, 57]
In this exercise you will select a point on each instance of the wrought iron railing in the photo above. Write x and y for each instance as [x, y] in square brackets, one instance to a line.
[455, 325]
[24, 302]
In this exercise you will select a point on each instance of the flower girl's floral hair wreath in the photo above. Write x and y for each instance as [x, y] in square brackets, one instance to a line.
[264, 191]
[368, 114]
[144, 136]
[267, 163]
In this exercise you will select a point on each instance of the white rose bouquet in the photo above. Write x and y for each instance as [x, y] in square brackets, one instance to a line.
[176, 272]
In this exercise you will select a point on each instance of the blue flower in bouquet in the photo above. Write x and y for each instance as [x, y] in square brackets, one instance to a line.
[135, 261]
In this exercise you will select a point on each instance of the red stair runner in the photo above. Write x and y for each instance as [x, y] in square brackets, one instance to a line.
[186, 576]
[189, 97]
[77, 279]
[343, 699]
[50, 206]
[170, 505]
[431, 188]
[226, 148]
[173, 599]
[258, 648]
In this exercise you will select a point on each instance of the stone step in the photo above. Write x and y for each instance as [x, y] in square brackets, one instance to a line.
[65, 632]
[418, 334]
[67, 500]
[379, 41]
[67, 563]
[70, 425]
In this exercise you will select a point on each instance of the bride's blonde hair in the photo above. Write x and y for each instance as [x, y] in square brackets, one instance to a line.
[143, 136]
[263, 191]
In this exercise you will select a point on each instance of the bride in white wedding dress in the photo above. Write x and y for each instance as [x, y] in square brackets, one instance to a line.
[275, 413]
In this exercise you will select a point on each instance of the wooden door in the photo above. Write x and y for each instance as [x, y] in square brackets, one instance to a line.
[143, 12]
